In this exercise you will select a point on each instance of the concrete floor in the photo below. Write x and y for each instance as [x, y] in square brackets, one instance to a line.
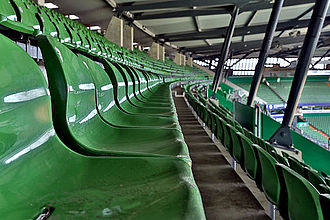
[225, 195]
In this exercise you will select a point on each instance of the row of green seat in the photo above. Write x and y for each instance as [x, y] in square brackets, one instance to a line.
[263, 92]
[297, 190]
[319, 121]
[309, 96]
[101, 140]
[312, 133]
[26, 16]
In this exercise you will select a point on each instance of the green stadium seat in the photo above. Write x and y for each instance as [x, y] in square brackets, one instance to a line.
[40, 175]
[11, 20]
[303, 197]
[325, 204]
[109, 109]
[269, 178]
[220, 128]
[236, 148]
[62, 31]
[279, 158]
[250, 159]
[327, 180]
[143, 88]
[138, 98]
[296, 165]
[75, 38]
[212, 122]
[47, 26]
[314, 177]
[324, 188]
[27, 11]
[123, 93]
[226, 136]
[154, 85]
[77, 120]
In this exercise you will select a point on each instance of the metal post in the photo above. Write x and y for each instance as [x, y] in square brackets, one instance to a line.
[266, 44]
[226, 72]
[225, 50]
[255, 127]
[282, 136]
[234, 164]
[272, 210]
[319, 60]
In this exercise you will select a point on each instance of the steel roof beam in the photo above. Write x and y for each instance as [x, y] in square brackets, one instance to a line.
[239, 31]
[246, 46]
[179, 14]
[243, 5]
[175, 4]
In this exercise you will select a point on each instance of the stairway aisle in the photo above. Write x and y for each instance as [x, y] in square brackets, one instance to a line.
[224, 194]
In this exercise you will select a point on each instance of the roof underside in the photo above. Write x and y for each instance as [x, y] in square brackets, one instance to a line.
[199, 26]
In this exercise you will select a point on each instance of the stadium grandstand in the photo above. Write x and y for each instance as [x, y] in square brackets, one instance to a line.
[165, 109]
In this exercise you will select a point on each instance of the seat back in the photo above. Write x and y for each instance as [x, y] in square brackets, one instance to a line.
[314, 178]
[73, 94]
[7, 11]
[325, 204]
[127, 80]
[269, 178]
[48, 26]
[303, 197]
[117, 81]
[143, 86]
[30, 148]
[63, 34]
[79, 30]
[75, 38]
[27, 13]
[296, 165]
[219, 128]
[279, 158]
[104, 89]
[250, 159]
[134, 79]
[227, 138]
[235, 148]
[212, 122]
[25, 104]
[152, 80]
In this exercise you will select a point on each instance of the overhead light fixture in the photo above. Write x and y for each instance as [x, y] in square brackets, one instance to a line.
[50, 5]
[72, 17]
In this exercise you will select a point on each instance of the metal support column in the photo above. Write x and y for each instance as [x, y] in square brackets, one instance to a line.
[282, 136]
[266, 44]
[319, 60]
[225, 50]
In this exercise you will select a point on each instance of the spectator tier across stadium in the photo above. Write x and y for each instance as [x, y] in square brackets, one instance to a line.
[165, 109]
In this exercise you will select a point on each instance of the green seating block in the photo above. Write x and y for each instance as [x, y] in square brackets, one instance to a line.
[76, 116]
[38, 172]
[109, 108]
[303, 197]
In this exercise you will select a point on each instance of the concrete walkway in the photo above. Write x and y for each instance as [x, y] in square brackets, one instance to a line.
[224, 194]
